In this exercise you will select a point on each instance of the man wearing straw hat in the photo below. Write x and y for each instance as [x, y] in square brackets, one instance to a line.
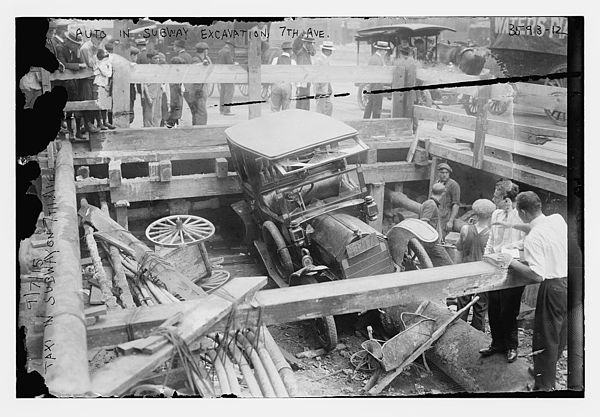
[323, 91]
[375, 101]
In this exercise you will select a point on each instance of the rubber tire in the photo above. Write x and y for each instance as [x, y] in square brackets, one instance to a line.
[283, 262]
[361, 98]
[327, 336]
[390, 318]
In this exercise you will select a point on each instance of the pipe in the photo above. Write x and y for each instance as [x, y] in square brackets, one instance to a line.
[261, 374]
[120, 277]
[286, 372]
[227, 364]
[270, 367]
[220, 371]
[65, 363]
[249, 377]
[157, 293]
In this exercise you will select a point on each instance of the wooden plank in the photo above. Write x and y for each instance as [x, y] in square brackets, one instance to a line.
[121, 208]
[204, 185]
[71, 75]
[238, 74]
[254, 77]
[84, 105]
[398, 102]
[389, 128]
[154, 171]
[531, 176]
[221, 167]
[410, 78]
[120, 374]
[315, 300]
[114, 174]
[480, 127]
[447, 117]
[165, 171]
[541, 96]
[120, 90]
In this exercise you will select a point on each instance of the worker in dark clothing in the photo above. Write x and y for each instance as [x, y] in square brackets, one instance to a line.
[471, 243]
[68, 54]
[179, 46]
[450, 202]
[303, 57]
[375, 101]
[195, 94]
[176, 103]
[226, 57]
[430, 213]
[545, 254]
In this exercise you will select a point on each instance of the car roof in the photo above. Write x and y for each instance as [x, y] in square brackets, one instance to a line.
[408, 29]
[280, 134]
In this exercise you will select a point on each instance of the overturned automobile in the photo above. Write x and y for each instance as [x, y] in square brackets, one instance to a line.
[307, 207]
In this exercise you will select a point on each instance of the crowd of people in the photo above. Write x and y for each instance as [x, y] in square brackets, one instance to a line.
[512, 226]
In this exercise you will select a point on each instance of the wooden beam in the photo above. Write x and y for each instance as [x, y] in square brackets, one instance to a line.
[114, 174]
[254, 77]
[533, 177]
[221, 167]
[71, 75]
[410, 78]
[304, 302]
[120, 91]
[84, 105]
[165, 171]
[204, 185]
[121, 207]
[154, 170]
[398, 102]
[238, 74]
[120, 374]
[480, 127]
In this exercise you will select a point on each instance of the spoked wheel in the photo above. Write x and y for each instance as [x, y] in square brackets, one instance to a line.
[498, 107]
[416, 258]
[470, 105]
[327, 332]
[559, 118]
[179, 230]
[243, 89]
[361, 96]
[265, 92]
[278, 250]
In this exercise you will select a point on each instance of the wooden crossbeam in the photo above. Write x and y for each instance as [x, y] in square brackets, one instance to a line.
[205, 185]
[315, 300]
[521, 173]
[84, 105]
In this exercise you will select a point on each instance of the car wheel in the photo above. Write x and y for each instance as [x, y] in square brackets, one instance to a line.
[327, 332]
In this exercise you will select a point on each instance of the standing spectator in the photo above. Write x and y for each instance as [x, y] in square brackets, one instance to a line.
[504, 305]
[471, 243]
[450, 202]
[545, 251]
[165, 94]
[102, 75]
[133, 53]
[281, 92]
[323, 91]
[303, 57]
[375, 101]
[226, 57]
[429, 213]
[195, 94]
[179, 46]
[88, 52]
[68, 54]
[109, 47]
[142, 45]
[53, 41]
[176, 102]
[152, 99]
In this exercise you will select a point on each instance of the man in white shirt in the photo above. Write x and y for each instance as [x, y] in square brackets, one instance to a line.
[545, 251]
[281, 92]
[504, 305]
[323, 91]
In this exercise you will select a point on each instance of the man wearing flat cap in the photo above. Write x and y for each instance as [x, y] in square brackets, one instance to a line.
[226, 57]
[430, 213]
[142, 45]
[281, 92]
[323, 91]
[195, 95]
[375, 101]
[450, 201]
[303, 57]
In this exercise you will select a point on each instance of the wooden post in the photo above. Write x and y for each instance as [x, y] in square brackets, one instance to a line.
[97, 140]
[410, 80]
[120, 91]
[114, 174]
[221, 167]
[154, 171]
[398, 98]
[254, 85]
[377, 192]
[65, 344]
[165, 171]
[433, 173]
[121, 213]
[480, 127]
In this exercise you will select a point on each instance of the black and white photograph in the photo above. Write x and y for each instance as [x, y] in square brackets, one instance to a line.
[299, 207]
